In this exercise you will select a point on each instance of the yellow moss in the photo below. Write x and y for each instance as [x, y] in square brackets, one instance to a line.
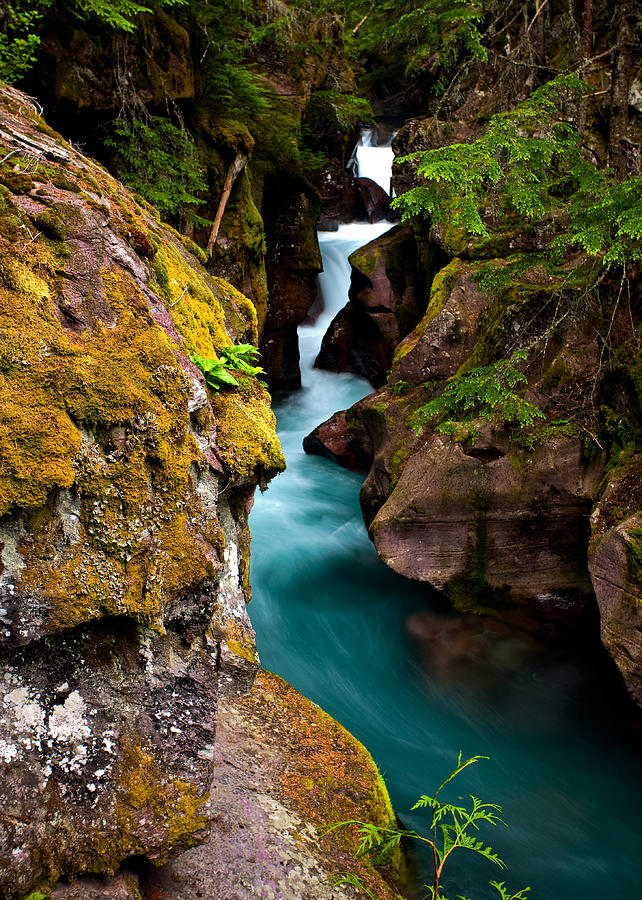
[331, 776]
[187, 561]
[103, 410]
[244, 651]
[246, 438]
[176, 807]
[197, 313]
[38, 439]
[239, 639]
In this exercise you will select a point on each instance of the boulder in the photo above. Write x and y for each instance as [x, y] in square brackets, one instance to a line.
[125, 486]
[284, 773]
[332, 439]
[615, 564]
[375, 201]
[388, 295]
[494, 527]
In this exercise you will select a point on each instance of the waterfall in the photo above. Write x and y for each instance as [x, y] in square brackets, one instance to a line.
[373, 161]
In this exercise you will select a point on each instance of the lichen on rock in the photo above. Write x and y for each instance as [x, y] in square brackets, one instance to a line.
[123, 519]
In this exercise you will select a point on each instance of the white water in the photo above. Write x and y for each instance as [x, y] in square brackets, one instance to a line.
[374, 162]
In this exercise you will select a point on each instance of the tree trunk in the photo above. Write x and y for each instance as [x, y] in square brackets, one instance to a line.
[620, 85]
[587, 49]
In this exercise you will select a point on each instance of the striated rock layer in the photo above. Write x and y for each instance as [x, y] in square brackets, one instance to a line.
[499, 520]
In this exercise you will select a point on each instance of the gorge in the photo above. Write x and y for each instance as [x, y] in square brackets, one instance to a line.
[451, 560]
[415, 682]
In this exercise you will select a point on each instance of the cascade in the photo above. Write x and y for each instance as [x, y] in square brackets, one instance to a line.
[342, 628]
[373, 161]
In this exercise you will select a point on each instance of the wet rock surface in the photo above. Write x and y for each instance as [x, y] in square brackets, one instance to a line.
[493, 528]
[614, 564]
[388, 295]
[498, 520]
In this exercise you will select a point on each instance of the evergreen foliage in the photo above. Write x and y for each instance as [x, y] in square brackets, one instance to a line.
[18, 40]
[20, 19]
[403, 38]
[452, 827]
[224, 29]
[530, 160]
[486, 392]
[159, 161]
[448, 28]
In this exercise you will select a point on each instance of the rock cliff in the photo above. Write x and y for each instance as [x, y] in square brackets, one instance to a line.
[497, 519]
[125, 487]
[299, 135]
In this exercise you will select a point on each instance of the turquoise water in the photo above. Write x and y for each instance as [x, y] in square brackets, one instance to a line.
[416, 684]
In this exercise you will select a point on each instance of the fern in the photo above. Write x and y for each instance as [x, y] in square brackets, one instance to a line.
[120, 14]
[236, 358]
[20, 19]
[215, 372]
[159, 161]
[500, 887]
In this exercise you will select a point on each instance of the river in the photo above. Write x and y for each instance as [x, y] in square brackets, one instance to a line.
[416, 684]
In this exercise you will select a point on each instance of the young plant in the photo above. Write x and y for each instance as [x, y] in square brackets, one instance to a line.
[238, 358]
[216, 374]
[451, 828]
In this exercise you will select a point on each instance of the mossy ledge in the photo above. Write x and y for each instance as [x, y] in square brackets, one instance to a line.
[125, 485]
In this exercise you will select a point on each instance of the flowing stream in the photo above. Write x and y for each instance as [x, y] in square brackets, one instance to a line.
[416, 683]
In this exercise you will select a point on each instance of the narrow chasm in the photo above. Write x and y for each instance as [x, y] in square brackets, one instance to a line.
[381, 262]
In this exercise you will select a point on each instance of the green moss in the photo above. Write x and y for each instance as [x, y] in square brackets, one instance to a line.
[562, 430]
[95, 185]
[60, 180]
[397, 462]
[365, 259]
[441, 289]
[193, 248]
[197, 314]
[11, 219]
[557, 376]
[634, 558]
[16, 182]
[57, 221]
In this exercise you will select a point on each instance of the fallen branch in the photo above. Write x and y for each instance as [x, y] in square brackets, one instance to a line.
[237, 166]
[359, 24]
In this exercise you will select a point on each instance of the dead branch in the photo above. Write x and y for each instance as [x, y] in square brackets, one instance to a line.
[237, 166]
